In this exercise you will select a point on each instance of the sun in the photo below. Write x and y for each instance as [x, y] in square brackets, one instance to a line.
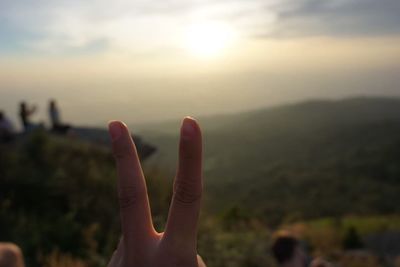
[208, 39]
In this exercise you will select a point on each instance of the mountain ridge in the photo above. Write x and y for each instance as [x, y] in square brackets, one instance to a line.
[341, 157]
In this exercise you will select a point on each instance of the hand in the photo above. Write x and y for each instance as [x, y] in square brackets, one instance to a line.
[141, 245]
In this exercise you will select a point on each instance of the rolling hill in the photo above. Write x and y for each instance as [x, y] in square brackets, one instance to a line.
[305, 160]
[313, 163]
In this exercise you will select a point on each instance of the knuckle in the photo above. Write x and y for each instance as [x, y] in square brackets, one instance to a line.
[187, 193]
[128, 197]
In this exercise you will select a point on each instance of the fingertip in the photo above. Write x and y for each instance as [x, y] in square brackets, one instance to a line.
[116, 128]
[189, 118]
[189, 127]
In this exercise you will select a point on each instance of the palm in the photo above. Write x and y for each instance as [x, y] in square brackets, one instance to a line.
[141, 245]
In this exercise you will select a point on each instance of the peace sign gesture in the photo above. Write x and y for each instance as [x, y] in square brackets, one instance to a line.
[141, 245]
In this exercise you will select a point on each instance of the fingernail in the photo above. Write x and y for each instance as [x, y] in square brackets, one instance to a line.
[188, 127]
[115, 130]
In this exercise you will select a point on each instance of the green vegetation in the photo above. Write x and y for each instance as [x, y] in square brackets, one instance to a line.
[57, 195]
[327, 171]
[303, 161]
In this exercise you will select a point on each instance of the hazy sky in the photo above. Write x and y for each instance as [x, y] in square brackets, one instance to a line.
[151, 60]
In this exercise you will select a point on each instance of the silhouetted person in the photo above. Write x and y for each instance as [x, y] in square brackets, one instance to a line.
[288, 252]
[55, 118]
[25, 113]
[7, 131]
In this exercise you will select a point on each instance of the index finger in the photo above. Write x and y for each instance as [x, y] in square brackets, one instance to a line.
[132, 192]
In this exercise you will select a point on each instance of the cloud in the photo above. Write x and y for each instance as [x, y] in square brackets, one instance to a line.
[339, 18]
[64, 26]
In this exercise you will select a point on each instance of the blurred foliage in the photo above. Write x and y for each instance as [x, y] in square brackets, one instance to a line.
[338, 157]
[58, 195]
[359, 260]
[334, 184]
[352, 239]
[58, 202]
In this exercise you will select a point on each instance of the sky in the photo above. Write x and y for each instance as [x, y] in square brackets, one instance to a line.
[144, 61]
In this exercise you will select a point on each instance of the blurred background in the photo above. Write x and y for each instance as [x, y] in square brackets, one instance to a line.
[299, 103]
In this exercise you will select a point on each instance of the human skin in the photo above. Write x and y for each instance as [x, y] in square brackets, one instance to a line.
[11, 255]
[141, 245]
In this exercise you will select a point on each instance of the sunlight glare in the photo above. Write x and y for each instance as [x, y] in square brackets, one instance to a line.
[208, 39]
